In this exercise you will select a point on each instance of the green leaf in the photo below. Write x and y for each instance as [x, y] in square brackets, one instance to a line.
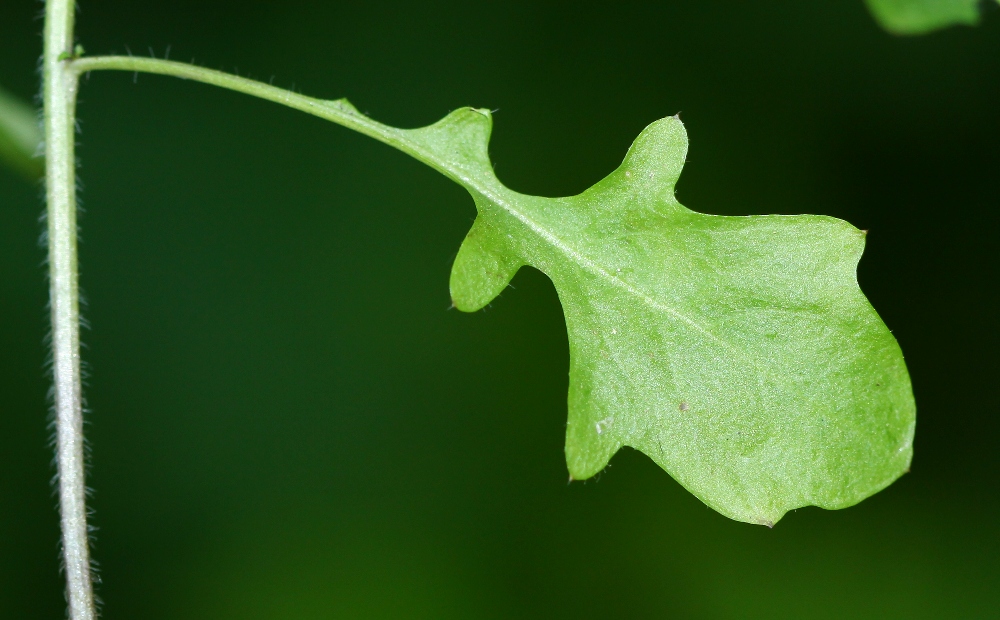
[737, 352]
[20, 136]
[922, 16]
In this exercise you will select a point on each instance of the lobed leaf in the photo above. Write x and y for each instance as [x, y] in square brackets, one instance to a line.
[922, 16]
[737, 352]
[20, 136]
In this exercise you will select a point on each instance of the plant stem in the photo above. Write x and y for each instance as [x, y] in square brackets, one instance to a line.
[60, 111]
[319, 107]
[338, 111]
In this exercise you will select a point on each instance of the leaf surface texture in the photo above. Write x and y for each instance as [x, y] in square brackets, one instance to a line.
[739, 353]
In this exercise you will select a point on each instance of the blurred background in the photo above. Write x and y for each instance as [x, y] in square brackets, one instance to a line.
[288, 422]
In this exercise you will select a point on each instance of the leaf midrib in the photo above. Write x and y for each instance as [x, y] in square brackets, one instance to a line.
[575, 255]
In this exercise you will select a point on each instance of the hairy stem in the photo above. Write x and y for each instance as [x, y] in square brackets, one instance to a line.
[60, 83]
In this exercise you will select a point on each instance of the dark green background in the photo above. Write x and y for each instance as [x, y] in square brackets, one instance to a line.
[286, 420]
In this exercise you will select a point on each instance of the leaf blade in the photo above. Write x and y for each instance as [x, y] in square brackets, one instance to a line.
[737, 352]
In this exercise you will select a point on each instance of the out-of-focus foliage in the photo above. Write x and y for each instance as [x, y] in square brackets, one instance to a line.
[922, 16]
[20, 136]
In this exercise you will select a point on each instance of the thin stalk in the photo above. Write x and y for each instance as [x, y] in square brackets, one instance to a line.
[337, 111]
[59, 89]
[312, 105]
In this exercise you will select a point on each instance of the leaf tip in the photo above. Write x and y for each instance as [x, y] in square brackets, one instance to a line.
[653, 164]
[483, 268]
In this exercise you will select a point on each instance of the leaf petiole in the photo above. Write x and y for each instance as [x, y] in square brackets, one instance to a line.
[339, 111]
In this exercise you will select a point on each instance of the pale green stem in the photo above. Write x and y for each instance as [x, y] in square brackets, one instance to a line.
[59, 89]
[337, 111]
